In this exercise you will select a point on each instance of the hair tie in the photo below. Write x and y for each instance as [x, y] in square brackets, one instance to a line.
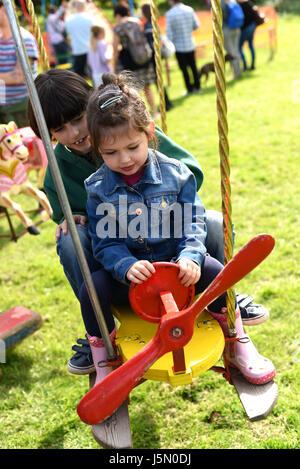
[118, 95]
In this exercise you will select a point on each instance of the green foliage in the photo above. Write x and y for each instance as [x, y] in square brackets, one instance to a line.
[38, 396]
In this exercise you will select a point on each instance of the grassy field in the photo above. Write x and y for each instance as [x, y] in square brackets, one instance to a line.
[38, 396]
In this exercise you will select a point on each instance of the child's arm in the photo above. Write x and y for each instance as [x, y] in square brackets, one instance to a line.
[57, 213]
[103, 52]
[109, 248]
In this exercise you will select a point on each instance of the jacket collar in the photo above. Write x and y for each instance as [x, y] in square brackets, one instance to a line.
[71, 157]
[152, 175]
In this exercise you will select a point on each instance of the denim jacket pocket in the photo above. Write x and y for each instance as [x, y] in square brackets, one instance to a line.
[163, 210]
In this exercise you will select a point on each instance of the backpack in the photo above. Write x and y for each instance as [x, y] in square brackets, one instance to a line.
[236, 15]
[138, 46]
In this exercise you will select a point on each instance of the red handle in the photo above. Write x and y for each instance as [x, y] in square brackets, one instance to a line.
[104, 398]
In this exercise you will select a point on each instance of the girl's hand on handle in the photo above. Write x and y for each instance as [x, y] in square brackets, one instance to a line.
[140, 271]
[63, 227]
[189, 272]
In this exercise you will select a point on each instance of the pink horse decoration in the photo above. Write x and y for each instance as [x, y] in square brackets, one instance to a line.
[37, 158]
[13, 175]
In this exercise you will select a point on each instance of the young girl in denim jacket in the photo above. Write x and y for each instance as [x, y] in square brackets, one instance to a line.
[142, 208]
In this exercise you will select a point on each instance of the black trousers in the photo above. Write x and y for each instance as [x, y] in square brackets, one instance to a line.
[186, 61]
[61, 52]
[79, 65]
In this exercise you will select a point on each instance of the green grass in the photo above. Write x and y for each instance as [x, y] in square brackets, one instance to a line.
[38, 396]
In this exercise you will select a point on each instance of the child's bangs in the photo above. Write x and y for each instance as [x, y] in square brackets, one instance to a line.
[112, 133]
[64, 110]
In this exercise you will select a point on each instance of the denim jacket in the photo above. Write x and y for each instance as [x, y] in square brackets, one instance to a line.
[160, 218]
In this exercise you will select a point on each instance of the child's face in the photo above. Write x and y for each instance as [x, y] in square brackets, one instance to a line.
[74, 134]
[127, 151]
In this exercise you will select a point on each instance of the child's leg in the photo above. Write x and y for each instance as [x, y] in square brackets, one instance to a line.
[103, 284]
[240, 354]
[107, 289]
[209, 270]
[68, 259]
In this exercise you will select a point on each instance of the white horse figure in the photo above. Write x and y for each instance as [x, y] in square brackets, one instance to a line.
[13, 176]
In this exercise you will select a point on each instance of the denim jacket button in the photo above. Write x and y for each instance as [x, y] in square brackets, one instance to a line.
[140, 240]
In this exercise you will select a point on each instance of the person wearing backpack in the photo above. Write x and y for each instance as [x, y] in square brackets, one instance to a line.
[148, 30]
[135, 53]
[233, 20]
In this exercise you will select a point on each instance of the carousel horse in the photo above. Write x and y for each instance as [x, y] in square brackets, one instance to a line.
[13, 175]
[37, 158]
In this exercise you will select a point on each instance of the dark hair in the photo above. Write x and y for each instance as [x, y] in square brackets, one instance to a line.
[52, 9]
[126, 108]
[146, 10]
[63, 96]
[95, 30]
[122, 10]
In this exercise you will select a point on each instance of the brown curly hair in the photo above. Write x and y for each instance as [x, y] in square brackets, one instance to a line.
[116, 103]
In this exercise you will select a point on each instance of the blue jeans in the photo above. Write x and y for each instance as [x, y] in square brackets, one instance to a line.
[68, 258]
[247, 35]
[65, 250]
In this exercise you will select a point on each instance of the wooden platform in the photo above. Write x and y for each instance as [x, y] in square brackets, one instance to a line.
[115, 431]
[18, 323]
[258, 400]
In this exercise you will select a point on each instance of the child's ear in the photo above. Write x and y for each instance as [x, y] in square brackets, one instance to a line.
[151, 130]
[90, 140]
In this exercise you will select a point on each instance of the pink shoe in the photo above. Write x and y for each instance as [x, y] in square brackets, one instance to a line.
[99, 355]
[242, 354]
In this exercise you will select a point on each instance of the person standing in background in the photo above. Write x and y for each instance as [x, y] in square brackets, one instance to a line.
[55, 31]
[78, 27]
[98, 58]
[13, 93]
[148, 30]
[181, 22]
[123, 59]
[231, 39]
[247, 32]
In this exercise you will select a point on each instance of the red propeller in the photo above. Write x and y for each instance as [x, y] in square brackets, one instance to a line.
[174, 331]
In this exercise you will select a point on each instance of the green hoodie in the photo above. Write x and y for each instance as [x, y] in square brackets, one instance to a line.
[75, 169]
